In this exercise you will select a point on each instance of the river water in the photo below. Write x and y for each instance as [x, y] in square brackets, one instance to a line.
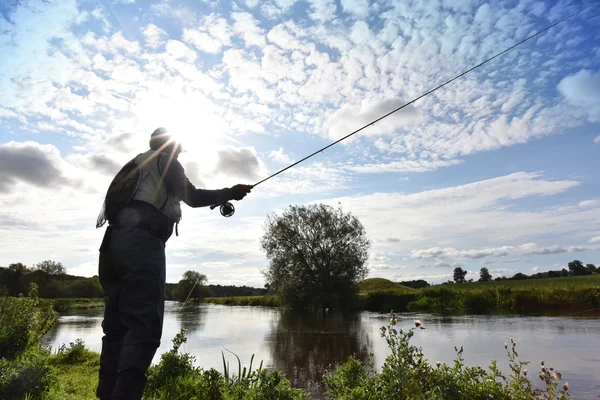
[303, 345]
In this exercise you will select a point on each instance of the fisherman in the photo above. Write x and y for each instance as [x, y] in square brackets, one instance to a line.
[132, 264]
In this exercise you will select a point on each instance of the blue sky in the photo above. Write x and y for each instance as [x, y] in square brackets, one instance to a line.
[498, 169]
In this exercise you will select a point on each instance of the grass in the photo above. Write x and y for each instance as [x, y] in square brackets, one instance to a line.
[76, 370]
[376, 284]
[571, 282]
[64, 305]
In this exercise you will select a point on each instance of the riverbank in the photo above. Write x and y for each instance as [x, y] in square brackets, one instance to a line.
[551, 296]
[265, 301]
[65, 305]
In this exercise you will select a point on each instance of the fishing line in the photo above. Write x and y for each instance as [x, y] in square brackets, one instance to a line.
[423, 95]
[188, 296]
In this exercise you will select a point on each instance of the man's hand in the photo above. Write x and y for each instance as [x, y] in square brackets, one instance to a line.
[240, 191]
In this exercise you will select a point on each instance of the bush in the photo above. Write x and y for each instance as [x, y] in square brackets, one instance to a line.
[406, 374]
[28, 375]
[76, 353]
[175, 378]
[22, 324]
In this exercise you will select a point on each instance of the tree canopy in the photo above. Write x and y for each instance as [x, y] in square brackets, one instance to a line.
[191, 279]
[484, 275]
[459, 275]
[51, 267]
[317, 255]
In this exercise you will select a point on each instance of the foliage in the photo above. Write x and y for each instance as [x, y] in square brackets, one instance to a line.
[23, 364]
[484, 275]
[191, 279]
[54, 284]
[22, 324]
[175, 377]
[265, 301]
[51, 267]
[459, 275]
[577, 268]
[406, 374]
[317, 256]
[76, 353]
[29, 374]
[551, 295]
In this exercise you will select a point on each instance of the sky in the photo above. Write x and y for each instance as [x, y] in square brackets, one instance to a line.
[498, 169]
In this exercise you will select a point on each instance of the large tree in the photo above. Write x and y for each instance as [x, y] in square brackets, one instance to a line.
[484, 275]
[577, 268]
[192, 285]
[317, 255]
[459, 275]
[51, 267]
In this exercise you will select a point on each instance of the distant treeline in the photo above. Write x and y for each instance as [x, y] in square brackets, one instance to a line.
[51, 279]
[221, 291]
[53, 282]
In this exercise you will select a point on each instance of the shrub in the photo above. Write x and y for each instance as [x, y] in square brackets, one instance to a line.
[406, 374]
[22, 324]
[175, 378]
[28, 375]
[76, 353]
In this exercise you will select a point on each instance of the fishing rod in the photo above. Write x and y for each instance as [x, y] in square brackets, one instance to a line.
[227, 209]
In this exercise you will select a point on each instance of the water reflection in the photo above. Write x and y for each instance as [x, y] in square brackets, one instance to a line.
[303, 345]
[192, 317]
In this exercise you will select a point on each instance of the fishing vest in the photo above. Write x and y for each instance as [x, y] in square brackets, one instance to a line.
[152, 188]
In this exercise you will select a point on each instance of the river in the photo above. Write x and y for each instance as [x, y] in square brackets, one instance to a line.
[303, 345]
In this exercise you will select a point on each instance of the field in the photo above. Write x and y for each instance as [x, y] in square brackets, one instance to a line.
[571, 282]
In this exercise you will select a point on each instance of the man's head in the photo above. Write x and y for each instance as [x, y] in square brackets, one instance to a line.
[162, 140]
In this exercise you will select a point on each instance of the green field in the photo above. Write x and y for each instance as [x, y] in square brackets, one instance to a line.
[571, 282]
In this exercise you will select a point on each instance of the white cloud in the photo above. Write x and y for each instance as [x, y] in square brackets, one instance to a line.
[178, 50]
[280, 156]
[202, 41]
[595, 239]
[597, 139]
[589, 203]
[154, 36]
[322, 10]
[246, 26]
[451, 252]
[582, 89]
[211, 36]
[359, 8]
[349, 118]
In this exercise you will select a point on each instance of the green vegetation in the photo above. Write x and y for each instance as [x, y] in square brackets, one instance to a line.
[27, 371]
[192, 286]
[406, 374]
[63, 306]
[266, 301]
[51, 280]
[550, 295]
[532, 296]
[317, 256]
[23, 363]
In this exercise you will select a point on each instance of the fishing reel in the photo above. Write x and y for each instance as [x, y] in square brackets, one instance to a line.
[227, 209]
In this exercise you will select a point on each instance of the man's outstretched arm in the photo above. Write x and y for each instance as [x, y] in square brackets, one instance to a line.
[180, 185]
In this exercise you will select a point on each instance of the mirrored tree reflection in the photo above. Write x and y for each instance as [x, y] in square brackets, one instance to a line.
[304, 345]
[191, 317]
